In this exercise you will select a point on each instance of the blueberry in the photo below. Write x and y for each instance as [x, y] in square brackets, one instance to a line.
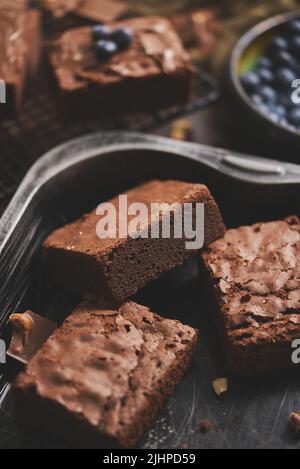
[279, 42]
[105, 49]
[256, 100]
[294, 117]
[285, 59]
[295, 44]
[250, 81]
[268, 94]
[123, 37]
[266, 75]
[285, 77]
[294, 27]
[286, 100]
[265, 62]
[101, 31]
[279, 110]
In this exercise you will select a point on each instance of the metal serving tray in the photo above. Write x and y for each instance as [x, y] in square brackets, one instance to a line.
[72, 179]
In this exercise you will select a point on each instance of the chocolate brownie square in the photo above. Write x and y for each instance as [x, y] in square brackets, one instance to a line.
[100, 379]
[19, 35]
[255, 271]
[116, 267]
[94, 10]
[154, 72]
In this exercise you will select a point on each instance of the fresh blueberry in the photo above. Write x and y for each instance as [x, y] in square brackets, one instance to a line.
[105, 49]
[286, 101]
[294, 117]
[250, 81]
[101, 31]
[295, 45]
[256, 100]
[268, 94]
[285, 77]
[123, 37]
[294, 27]
[265, 62]
[279, 42]
[274, 117]
[285, 59]
[266, 75]
[279, 110]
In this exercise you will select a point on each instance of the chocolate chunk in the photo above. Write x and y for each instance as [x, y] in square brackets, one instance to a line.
[117, 267]
[262, 264]
[205, 426]
[96, 381]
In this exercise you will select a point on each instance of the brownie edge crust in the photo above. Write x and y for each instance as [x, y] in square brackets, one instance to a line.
[100, 379]
[116, 268]
[255, 274]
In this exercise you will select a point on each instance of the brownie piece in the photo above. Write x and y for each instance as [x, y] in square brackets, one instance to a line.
[118, 267]
[153, 73]
[19, 33]
[100, 379]
[198, 30]
[255, 271]
[94, 10]
[60, 8]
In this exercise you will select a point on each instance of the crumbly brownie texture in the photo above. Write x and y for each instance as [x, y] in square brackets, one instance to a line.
[60, 8]
[256, 275]
[18, 50]
[95, 10]
[154, 72]
[116, 268]
[198, 30]
[101, 378]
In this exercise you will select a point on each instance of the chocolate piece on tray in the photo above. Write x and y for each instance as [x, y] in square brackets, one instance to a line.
[117, 267]
[255, 272]
[100, 379]
[29, 332]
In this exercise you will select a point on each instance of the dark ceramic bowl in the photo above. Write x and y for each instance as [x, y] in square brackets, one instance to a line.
[250, 47]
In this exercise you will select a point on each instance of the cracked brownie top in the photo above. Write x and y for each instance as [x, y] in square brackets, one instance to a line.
[256, 271]
[107, 366]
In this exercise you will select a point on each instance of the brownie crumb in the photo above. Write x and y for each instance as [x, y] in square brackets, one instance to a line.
[205, 426]
[294, 419]
[220, 386]
[183, 446]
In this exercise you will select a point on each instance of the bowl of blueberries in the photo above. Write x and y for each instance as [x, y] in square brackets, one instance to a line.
[265, 75]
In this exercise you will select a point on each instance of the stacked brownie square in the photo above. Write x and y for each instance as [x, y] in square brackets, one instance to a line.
[100, 379]
[153, 72]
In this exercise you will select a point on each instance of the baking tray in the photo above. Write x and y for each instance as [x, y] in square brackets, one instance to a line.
[73, 178]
